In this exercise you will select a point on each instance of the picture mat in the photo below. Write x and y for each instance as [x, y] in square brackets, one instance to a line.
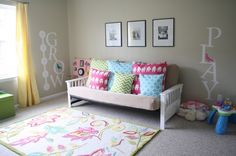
[170, 40]
[132, 26]
[116, 29]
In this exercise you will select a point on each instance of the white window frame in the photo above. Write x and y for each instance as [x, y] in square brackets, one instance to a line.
[8, 65]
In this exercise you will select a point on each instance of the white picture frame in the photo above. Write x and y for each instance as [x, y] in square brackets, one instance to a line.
[113, 34]
[136, 33]
[163, 32]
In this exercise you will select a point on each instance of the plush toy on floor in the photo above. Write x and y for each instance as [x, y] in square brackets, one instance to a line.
[194, 110]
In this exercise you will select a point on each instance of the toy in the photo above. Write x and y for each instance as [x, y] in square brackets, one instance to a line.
[227, 105]
[193, 110]
[226, 112]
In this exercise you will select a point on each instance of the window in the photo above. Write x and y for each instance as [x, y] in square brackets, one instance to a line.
[8, 67]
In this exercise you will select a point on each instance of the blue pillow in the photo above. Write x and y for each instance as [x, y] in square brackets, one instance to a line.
[151, 85]
[118, 67]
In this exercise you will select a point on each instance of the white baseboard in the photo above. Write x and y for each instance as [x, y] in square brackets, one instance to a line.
[46, 98]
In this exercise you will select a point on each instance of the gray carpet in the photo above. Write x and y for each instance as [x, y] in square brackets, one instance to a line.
[181, 138]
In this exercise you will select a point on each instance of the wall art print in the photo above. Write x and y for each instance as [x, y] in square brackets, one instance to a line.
[136, 33]
[163, 32]
[50, 61]
[210, 84]
[113, 34]
[80, 67]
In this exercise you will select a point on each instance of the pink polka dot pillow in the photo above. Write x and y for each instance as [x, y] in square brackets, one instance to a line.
[99, 79]
[147, 69]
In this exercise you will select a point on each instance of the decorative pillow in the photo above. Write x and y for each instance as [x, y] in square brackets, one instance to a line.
[96, 64]
[136, 85]
[118, 67]
[141, 68]
[151, 85]
[99, 64]
[122, 83]
[138, 68]
[99, 79]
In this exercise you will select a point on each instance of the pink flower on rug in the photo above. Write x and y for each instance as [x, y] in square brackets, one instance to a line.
[50, 149]
[82, 134]
[61, 147]
[42, 120]
[100, 152]
[30, 139]
[149, 133]
[130, 132]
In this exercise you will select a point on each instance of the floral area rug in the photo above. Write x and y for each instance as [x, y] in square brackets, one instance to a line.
[68, 132]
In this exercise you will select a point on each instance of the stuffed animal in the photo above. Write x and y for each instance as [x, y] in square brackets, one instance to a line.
[194, 110]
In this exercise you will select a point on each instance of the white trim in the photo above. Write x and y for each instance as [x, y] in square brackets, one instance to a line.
[8, 79]
[46, 98]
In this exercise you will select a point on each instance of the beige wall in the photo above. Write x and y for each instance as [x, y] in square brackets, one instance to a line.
[87, 37]
[49, 16]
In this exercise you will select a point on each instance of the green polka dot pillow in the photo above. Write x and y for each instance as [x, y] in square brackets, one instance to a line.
[122, 83]
[151, 85]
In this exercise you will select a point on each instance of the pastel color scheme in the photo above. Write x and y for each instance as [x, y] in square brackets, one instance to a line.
[118, 67]
[96, 64]
[151, 85]
[99, 79]
[149, 69]
[68, 132]
[122, 83]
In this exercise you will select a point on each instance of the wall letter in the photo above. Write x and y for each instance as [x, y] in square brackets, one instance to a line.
[210, 34]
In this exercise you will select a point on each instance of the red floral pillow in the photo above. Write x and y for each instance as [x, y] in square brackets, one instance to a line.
[148, 69]
[99, 79]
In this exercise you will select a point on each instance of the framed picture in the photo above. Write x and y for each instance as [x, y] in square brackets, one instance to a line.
[113, 34]
[136, 33]
[163, 32]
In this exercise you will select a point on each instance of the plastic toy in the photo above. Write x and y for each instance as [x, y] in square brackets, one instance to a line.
[227, 105]
[227, 112]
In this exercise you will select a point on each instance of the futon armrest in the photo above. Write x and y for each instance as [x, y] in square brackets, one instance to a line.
[172, 89]
[172, 94]
[76, 82]
[170, 102]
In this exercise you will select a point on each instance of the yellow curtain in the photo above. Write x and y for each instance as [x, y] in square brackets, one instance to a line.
[27, 88]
